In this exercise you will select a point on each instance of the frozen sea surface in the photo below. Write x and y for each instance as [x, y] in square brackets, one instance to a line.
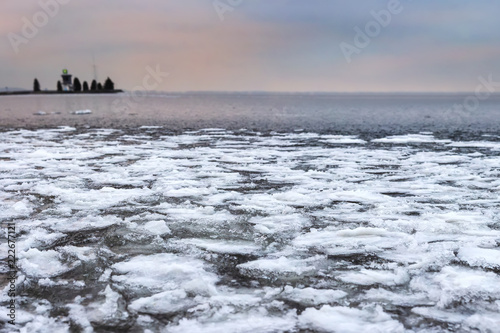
[215, 230]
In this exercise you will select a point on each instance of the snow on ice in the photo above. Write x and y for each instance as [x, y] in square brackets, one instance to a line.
[220, 231]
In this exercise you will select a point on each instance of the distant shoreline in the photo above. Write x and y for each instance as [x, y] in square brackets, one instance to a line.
[53, 92]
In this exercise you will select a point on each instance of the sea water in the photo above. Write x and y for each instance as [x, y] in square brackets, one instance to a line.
[295, 225]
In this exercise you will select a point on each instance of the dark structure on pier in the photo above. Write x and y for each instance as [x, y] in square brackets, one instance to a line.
[67, 83]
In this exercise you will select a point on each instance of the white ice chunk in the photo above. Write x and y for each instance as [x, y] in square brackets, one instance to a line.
[311, 296]
[223, 246]
[110, 312]
[349, 320]
[238, 322]
[475, 256]
[457, 284]
[279, 224]
[83, 253]
[483, 322]
[15, 209]
[279, 265]
[165, 272]
[411, 138]
[368, 277]
[476, 144]
[44, 324]
[87, 223]
[341, 139]
[439, 314]
[81, 112]
[348, 241]
[44, 264]
[157, 227]
[167, 302]
[37, 237]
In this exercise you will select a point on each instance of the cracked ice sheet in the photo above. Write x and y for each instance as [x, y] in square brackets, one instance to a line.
[225, 231]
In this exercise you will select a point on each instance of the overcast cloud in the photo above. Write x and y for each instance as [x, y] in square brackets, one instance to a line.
[265, 45]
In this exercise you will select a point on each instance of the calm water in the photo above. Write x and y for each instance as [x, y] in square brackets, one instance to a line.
[320, 113]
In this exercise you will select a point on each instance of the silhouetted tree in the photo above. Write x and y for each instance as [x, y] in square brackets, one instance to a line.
[99, 86]
[109, 85]
[77, 86]
[85, 86]
[59, 86]
[93, 86]
[36, 85]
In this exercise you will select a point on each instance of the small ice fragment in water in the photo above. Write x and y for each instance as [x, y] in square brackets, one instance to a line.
[157, 227]
[80, 112]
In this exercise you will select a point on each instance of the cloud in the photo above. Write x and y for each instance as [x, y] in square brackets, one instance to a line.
[284, 45]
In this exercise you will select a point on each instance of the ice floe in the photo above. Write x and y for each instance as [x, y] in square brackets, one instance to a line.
[239, 231]
[349, 320]
[82, 112]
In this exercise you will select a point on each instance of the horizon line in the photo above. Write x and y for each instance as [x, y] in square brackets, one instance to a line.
[271, 91]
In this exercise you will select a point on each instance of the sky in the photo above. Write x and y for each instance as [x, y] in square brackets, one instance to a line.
[253, 45]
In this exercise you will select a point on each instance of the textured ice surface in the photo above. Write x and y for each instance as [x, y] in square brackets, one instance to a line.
[349, 320]
[220, 231]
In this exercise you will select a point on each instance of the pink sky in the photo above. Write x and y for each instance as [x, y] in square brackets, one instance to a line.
[284, 45]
